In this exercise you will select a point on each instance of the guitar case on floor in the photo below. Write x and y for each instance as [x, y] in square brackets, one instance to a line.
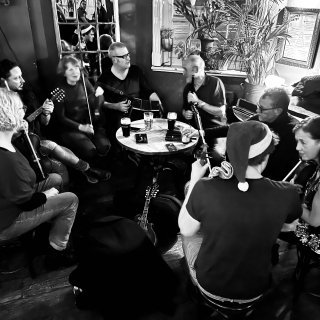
[120, 272]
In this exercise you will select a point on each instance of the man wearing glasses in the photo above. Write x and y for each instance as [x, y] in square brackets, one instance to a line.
[272, 109]
[120, 84]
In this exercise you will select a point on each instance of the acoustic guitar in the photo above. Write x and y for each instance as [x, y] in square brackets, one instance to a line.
[142, 219]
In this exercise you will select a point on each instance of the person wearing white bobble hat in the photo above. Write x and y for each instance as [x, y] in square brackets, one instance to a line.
[229, 222]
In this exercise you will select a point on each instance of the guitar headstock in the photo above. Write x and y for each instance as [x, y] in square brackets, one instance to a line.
[57, 95]
[152, 191]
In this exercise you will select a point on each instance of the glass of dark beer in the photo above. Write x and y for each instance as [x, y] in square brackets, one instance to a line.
[172, 117]
[125, 125]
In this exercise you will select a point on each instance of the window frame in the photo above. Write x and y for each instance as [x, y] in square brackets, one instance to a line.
[162, 14]
[76, 23]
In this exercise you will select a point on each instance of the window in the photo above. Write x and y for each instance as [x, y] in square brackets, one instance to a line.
[166, 15]
[86, 28]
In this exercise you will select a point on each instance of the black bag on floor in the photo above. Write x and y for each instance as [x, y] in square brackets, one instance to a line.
[120, 272]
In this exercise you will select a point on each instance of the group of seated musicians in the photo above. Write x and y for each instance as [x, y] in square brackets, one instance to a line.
[229, 221]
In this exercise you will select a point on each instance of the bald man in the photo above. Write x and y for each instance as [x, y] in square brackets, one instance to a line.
[206, 91]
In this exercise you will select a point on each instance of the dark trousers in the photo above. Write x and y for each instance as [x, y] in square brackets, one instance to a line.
[85, 146]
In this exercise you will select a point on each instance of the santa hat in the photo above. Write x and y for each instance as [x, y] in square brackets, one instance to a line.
[246, 140]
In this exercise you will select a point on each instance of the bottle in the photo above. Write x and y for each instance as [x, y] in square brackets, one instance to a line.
[71, 8]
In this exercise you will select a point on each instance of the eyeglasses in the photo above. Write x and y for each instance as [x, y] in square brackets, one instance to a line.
[262, 109]
[124, 56]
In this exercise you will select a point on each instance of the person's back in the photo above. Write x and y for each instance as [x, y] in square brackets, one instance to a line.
[230, 223]
[239, 230]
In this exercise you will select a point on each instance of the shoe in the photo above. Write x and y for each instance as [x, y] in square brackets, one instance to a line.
[60, 259]
[99, 174]
[90, 176]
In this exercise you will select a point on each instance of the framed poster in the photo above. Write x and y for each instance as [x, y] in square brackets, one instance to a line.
[303, 30]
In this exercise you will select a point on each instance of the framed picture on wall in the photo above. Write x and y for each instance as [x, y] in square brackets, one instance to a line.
[303, 29]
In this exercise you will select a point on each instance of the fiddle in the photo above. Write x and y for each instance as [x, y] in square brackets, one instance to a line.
[301, 173]
[29, 144]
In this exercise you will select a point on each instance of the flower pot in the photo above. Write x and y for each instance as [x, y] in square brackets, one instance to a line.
[252, 92]
[167, 44]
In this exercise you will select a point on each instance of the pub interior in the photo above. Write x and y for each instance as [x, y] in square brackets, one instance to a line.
[159, 159]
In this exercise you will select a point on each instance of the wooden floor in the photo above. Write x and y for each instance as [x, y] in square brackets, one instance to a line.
[49, 296]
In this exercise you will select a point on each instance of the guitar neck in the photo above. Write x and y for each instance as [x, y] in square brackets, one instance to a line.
[34, 115]
[146, 206]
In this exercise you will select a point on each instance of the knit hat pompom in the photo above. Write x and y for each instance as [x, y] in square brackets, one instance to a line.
[245, 141]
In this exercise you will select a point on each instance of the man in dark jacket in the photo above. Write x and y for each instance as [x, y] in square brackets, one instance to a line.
[272, 109]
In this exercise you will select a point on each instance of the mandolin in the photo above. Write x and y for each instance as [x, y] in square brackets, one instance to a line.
[142, 219]
[55, 95]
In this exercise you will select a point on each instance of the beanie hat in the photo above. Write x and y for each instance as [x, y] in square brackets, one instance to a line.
[246, 140]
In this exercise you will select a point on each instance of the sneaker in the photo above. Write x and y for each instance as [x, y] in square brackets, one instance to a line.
[99, 174]
[90, 176]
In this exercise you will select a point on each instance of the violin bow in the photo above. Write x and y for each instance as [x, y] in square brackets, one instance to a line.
[81, 71]
[86, 94]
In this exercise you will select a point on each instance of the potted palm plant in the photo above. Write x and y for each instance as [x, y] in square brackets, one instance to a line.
[205, 16]
[256, 42]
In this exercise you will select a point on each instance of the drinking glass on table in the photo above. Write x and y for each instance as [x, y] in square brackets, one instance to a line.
[172, 117]
[148, 119]
[125, 125]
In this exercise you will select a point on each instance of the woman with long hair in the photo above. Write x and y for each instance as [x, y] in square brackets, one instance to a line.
[307, 134]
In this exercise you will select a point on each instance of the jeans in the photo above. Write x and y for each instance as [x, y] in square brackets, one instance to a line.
[60, 157]
[191, 246]
[60, 210]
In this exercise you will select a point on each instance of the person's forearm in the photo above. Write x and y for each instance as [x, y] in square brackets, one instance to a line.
[110, 105]
[310, 217]
[214, 110]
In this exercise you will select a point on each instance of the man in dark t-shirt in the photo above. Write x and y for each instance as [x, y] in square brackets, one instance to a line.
[240, 219]
[206, 92]
[121, 81]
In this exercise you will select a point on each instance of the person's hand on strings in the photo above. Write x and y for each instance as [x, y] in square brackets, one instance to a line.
[192, 97]
[188, 114]
[123, 106]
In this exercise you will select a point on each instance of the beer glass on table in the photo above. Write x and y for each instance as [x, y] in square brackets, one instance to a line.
[148, 119]
[125, 125]
[172, 117]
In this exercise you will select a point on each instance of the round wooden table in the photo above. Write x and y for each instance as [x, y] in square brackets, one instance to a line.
[156, 138]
